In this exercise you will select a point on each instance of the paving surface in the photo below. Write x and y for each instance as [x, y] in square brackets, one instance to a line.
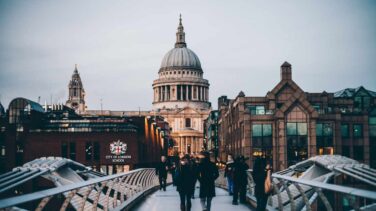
[169, 200]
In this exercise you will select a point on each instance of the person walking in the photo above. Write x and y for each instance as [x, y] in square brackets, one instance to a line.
[259, 174]
[229, 174]
[208, 173]
[161, 171]
[240, 180]
[184, 180]
[195, 174]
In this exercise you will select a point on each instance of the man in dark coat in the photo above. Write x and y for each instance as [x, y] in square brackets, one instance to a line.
[185, 177]
[161, 171]
[240, 180]
[259, 175]
[208, 173]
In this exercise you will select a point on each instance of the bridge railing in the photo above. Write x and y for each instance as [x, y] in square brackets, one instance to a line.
[291, 193]
[103, 193]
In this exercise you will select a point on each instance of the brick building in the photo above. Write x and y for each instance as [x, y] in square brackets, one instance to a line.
[109, 144]
[289, 125]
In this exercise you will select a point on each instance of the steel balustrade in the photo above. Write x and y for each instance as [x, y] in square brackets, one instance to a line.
[102, 193]
[291, 193]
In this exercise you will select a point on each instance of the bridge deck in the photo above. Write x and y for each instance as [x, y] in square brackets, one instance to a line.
[169, 200]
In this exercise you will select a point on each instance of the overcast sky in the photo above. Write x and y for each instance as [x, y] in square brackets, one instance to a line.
[119, 46]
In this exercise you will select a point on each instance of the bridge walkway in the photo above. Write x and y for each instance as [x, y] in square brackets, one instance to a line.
[169, 200]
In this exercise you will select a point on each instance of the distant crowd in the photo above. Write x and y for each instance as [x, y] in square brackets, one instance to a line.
[188, 169]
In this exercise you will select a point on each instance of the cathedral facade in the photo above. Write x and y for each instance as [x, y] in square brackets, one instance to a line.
[181, 96]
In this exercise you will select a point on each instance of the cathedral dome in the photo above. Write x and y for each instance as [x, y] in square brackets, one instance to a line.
[181, 58]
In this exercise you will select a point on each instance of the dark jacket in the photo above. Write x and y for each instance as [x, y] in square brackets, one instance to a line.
[161, 169]
[208, 173]
[185, 178]
[259, 179]
[240, 173]
[229, 170]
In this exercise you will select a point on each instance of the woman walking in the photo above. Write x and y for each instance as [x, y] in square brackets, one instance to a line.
[184, 180]
[259, 174]
[208, 173]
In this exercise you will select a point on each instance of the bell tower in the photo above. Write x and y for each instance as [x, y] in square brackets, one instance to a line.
[76, 98]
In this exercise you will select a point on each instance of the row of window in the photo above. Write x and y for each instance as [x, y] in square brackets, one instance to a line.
[183, 72]
[92, 151]
[322, 129]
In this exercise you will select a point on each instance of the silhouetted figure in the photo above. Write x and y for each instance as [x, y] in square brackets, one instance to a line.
[184, 180]
[259, 175]
[208, 173]
[240, 180]
[229, 174]
[161, 171]
[195, 173]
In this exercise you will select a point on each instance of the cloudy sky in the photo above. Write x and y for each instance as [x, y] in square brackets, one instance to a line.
[119, 46]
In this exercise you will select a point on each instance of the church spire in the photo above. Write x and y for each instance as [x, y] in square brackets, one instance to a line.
[75, 68]
[180, 36]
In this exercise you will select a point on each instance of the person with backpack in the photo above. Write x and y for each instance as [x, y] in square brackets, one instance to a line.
[261, 172]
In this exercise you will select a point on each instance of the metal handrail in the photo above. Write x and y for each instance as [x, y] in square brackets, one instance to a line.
[325, 186]
[291, 189]
[143, 178]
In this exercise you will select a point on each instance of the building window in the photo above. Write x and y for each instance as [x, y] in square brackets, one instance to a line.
[372, 126]
[297, 142]
[358, 130]
[2, 151]
[97, 152]
[262, 141]
[64, 150]
[324, 138]
[257, 110]
[296, 128]
[72, 151]
[345, 130]
[187, 122]
[89, 151]
[92, 151]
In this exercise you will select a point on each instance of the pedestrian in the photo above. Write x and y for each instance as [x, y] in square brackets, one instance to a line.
[259, 174]
[184, 180]
[208, 173]
[229, 174]
[240, 180]
[161, 171]
[195, 174]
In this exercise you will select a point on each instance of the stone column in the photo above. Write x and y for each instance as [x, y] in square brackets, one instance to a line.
[181, 92]
[180, 144]
[200, 93]
[186, 92]
[203, 94]
[207, 93]
[159, 93]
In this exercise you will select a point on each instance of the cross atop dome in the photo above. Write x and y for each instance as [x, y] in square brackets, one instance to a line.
[180, 36]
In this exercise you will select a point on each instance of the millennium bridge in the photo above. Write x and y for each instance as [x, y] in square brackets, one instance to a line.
[318, 183]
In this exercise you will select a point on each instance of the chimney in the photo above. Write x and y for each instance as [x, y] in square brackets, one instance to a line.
[286, 71]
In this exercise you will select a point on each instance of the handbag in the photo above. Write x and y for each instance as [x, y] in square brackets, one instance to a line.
[268, 187]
